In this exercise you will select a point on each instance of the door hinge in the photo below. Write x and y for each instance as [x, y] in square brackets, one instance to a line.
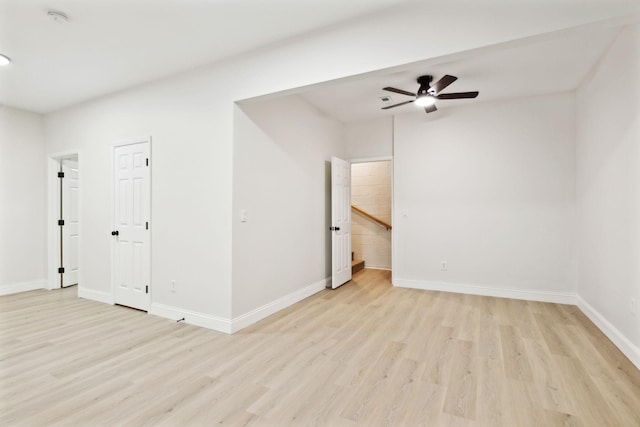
[146, 289]
[60, 174]
[61, 222]
[147, 225]
[61, 270]
[147, 162]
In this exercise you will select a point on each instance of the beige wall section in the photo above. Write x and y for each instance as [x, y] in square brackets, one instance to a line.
[371, 192]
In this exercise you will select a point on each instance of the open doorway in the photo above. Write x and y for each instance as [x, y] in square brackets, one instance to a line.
[371, 195]
[64, 221]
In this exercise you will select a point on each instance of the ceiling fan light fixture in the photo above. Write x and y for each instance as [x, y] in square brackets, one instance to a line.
[425, 100]
[428, 93]
[4, 60]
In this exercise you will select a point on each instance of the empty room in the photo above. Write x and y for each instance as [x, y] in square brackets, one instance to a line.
[316, 212]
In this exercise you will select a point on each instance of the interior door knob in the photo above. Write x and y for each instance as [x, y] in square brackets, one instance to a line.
[115, 233]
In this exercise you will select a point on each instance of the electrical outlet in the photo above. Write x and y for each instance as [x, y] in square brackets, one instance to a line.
[173, 286]
[634, 306]
[443, 265]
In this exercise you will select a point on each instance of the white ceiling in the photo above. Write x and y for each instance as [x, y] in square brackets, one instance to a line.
[529, 67]
[109, 45]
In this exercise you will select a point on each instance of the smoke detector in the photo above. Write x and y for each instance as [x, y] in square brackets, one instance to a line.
[57, 16]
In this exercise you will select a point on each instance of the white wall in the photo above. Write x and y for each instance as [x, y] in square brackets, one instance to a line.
[190, 191]
[190, 118]
[370, 138]
[608, 184]
[281, 176]
[488, 188]
[22, 201]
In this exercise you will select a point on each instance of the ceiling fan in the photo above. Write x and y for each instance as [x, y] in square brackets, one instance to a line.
[428, 93]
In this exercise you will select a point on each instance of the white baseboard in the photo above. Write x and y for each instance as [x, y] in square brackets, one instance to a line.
[247, 319]
[622, 342]
[93, 295]
[219, 324]
[460, 288]
[14, 288]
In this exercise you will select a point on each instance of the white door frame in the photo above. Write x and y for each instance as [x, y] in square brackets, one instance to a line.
[112, 151]
[53, 215]
[373, 159]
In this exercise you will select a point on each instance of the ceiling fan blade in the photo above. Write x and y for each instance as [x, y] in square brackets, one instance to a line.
[400, 91]
[397, 105]
[458, 95]
[430, 108]
[437, 87]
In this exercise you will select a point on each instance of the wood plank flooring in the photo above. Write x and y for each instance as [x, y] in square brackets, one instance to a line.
[366, 354]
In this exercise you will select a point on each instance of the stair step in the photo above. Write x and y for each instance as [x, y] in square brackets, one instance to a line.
[357, 265]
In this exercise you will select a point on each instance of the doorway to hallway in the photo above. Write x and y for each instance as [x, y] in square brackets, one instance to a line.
[69, 221]
[64, 220]
[371, 196]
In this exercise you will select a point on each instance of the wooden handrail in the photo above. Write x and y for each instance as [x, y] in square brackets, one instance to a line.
[371, 217]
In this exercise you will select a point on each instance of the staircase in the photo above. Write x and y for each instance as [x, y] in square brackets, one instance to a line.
[356, 264]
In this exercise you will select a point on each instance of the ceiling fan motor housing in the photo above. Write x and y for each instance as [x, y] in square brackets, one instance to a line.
[425, 84]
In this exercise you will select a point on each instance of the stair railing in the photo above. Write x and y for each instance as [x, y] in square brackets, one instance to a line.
[370, 217]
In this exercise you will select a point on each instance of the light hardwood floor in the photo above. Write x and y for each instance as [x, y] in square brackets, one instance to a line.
[365, 354]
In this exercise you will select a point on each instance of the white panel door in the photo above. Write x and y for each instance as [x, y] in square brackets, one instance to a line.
[132, 206]
[71, 228]
[340, 221]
